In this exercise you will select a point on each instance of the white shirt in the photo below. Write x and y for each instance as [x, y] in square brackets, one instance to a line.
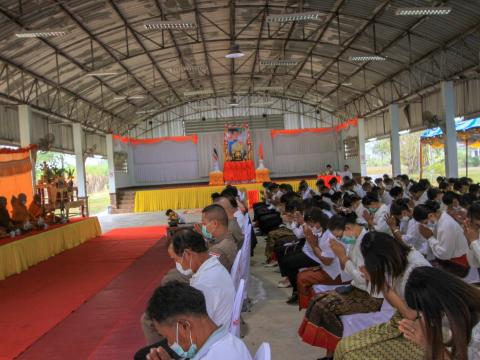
[307, 194]
[359, 190]
[352, 267]
[223, 345]
[216, 284]
[359, 211]
[379, 220]
[473, 255]
[328, 213]
[414, 238]
[240, 219]
[297, 230]
[422, 199]
[449, 240]
[386, 198]
[323, 242]
[414, 260]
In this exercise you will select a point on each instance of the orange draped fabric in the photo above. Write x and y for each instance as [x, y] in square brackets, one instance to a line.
[343, 126]
[327, 178]
[239, 170]
[193, 138]
[16, 173]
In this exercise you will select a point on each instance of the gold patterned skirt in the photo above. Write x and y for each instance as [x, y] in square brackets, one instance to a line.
[380, 342]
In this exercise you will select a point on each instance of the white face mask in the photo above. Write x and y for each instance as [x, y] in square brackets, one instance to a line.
[181, 270]
[405, 218]
[316, 231]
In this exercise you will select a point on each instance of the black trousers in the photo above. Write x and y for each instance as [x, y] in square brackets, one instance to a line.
[292, 263]
[282, 252]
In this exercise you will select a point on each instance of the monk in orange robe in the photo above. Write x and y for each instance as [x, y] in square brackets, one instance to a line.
[36, 209]
[20, 215]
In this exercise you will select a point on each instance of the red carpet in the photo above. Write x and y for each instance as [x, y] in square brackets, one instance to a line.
[33, 302]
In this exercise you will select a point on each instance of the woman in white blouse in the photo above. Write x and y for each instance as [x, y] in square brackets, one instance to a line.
[448, 321]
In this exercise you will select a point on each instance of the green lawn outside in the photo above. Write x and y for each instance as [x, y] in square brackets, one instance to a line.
[98, 202]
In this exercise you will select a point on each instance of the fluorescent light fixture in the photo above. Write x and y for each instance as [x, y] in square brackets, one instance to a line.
[305, 16]
[40, 34]
[363, 58]
[269, 88]
[170, 25]
[403, 132]
[198, 92]
[149, 111]
[101, 73]
[423, 11]
[187, 67]
[234, 52]
[279, 62]
[341, 84]
[372, 139]
[131, 97]
[262, 103]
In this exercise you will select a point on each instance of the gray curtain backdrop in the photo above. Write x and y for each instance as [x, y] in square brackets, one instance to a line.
[172, 162]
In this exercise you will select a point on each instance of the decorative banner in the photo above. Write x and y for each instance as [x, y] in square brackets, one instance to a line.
[260, 151]
[338, 128]
[125, 139]
[237, 145]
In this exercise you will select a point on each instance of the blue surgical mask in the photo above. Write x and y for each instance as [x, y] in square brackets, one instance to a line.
[206, 234]
[348, 240]
[182, 353]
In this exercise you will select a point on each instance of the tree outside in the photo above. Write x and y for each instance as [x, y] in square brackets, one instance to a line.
[379, 159]
[96, 172]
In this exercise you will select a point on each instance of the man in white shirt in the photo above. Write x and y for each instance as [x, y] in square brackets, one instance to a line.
[180, 313]
[189, 251]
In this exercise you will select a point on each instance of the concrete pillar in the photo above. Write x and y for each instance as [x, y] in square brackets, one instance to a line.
[448, 115]
[78, 148]
[361, 147]
[25, 124]
[112, 189]
[395, 138]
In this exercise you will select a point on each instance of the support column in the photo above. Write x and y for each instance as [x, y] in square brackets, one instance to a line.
[395, 139]
[78, 148]
[25, 124]
[112, 189]
[25, 130]
[450, 136]
[361, 147]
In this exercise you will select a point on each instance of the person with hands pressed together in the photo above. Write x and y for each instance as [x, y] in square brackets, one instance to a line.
[179, 312]
[448, 321]
[375, 214]
[471, 228]
[322, 325]
[387, 268]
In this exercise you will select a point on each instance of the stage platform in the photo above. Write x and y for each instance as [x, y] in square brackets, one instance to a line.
[196, 196]
[19, 253]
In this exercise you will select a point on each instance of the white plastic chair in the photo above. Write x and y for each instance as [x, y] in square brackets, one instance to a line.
[235, 272]
[263, 352]
[245, 259]
[358, 322]
[237, 309]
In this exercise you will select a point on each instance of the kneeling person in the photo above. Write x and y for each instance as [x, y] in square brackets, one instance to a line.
[180, 313]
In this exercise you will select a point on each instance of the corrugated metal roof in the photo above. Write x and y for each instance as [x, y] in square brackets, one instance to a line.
[97, 37]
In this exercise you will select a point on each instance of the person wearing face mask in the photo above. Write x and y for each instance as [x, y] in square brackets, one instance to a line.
[309, 256]
[322, 325]
[214, 229]
[328, 272]
[376, 214]
[449, 327]
[399, 220]
[180, 313]
[447, 240]
[471, 229]
[387, 268]
[205, 273]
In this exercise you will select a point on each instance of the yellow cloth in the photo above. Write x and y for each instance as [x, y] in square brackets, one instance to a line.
[18, 256]
[191, 197]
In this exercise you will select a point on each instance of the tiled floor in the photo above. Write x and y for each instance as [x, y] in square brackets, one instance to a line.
[270, 318]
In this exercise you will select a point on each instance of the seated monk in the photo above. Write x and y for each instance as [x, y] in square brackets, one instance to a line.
[20, 215]
[37, 211]
[5, 222]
